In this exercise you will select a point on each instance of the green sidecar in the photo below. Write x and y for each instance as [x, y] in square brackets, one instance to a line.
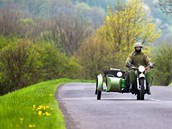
[115, 81]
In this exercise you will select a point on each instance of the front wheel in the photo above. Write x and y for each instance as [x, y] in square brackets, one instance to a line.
[141, 92]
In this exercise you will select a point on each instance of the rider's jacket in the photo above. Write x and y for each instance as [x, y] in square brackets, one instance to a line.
[138, 58]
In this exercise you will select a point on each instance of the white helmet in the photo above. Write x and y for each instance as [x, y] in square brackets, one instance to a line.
[138, 45]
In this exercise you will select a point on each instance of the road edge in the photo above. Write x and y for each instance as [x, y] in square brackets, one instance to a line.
[70, 123]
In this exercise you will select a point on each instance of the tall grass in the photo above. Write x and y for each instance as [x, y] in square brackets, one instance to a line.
[32, 107]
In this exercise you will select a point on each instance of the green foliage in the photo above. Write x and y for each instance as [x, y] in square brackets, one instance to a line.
[52, 61]
[165, 6]
[26, 21]
[163, 64]
[94, 57]
[128, 25]
[73, 69]
[96, 3]
[93, 15]
[24, 62]
[170, 84]
[7, 40]
[19, 64]
[113, 41]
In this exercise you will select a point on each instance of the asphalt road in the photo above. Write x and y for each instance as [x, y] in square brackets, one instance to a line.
[115, 110]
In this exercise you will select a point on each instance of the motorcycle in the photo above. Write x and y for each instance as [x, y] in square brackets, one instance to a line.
[140, 80]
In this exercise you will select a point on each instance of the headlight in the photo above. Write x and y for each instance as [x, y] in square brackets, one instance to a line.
[119, 74]
[141, 69]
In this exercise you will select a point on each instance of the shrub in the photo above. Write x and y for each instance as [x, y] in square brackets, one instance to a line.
[163, 67]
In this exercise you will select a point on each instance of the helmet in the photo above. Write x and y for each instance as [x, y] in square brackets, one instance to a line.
[138, 45]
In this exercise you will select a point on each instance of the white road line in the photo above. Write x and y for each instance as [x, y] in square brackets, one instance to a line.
[157, 100]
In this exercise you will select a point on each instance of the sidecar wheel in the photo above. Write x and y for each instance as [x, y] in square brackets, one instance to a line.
[96, 85]
[138, 95]
[141, 92]
[99, 93]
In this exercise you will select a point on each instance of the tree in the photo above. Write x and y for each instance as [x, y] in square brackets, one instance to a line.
[9, 22]
[94, 56]
[131, 24]
[165, 6]
[89, 14]
[163, 64]
[67, 32]
[113, 41]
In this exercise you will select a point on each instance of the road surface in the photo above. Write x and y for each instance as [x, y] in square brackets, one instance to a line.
[115, 110]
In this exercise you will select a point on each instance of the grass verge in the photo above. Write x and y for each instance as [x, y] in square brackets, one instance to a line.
[33, 107]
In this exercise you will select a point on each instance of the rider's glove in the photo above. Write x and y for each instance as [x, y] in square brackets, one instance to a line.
[151, 65]
[128, 64]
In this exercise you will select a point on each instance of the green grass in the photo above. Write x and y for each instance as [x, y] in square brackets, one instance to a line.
[33, 107]
[170, 84]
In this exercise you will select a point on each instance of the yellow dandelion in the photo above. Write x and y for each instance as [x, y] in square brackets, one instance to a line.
[47, 114]
[44, 107]
[30, 126]
[40, 107]
[39, 113]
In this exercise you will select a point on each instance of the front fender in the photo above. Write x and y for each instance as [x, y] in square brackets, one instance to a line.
[141, 75]
[99, 82]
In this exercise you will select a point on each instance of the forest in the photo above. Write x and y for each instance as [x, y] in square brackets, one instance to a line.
[78, 39]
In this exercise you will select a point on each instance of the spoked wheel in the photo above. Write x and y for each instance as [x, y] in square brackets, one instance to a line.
[96, 85]
[141, 92]
[99, 93]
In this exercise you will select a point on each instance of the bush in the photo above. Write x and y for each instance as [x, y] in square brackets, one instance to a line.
[170, 84]
[19, 64]
[163, 64]
[23, 62]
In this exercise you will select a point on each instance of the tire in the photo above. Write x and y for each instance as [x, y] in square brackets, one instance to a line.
[141, 92]
[96, 85]
[99, 93]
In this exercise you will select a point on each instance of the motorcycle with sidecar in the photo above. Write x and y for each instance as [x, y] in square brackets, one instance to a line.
[140, 80]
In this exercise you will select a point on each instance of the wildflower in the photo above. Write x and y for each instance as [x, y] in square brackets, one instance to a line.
[31, 126]
[40, 107]
[47, 114]
[39, 113]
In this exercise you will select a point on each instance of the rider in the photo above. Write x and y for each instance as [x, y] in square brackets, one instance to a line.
[137, 58]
